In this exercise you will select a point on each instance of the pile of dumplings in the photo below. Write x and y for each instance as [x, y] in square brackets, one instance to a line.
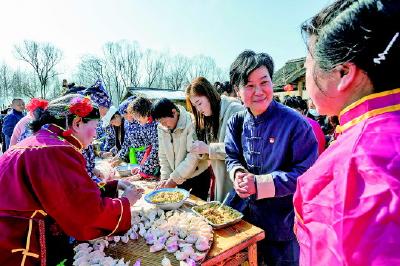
[85, 255]
[186, 235]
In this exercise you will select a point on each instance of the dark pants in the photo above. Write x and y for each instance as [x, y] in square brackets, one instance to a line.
[3, 143]
[58, 246]
[200, 185]
[278, 253]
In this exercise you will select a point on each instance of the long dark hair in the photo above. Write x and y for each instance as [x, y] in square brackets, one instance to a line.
[362, 32]
[119, 131]
[206, 127]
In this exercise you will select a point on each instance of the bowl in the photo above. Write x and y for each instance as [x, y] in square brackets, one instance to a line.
[125, 170]
[238, 215]
[167, 206]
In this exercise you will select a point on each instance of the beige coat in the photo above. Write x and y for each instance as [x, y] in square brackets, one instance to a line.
[175, 160]
[217, 153]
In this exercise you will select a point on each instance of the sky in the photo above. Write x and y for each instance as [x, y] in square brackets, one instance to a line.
[220, 29]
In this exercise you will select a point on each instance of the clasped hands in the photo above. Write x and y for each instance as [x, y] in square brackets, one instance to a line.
[244, 184]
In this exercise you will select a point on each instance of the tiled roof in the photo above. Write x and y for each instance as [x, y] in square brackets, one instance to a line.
[289, 73]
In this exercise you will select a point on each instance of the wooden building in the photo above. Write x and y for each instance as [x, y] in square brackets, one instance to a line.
[290, 79]
[176, 96]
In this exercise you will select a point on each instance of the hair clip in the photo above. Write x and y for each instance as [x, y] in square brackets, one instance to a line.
[381, 56]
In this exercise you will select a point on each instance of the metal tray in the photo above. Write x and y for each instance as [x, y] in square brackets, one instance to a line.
[219, 226]
[125, 170]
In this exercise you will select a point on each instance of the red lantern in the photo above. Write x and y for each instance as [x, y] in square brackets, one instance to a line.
[288, 87]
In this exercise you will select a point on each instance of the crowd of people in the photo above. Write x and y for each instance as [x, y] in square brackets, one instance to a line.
[320, 176]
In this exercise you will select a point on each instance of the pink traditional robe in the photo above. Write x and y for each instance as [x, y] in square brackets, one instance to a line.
[348, 203]
[44, 177]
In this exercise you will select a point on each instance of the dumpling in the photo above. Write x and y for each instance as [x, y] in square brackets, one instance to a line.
[166, 262]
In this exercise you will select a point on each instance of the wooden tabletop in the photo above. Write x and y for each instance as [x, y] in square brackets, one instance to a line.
[227, 241]
[230, 240]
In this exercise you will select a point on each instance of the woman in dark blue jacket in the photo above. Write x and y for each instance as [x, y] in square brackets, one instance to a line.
[268, 146]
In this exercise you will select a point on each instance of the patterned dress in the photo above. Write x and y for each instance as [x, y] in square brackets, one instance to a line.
[110, 141]
[89, 156]
[146, 136]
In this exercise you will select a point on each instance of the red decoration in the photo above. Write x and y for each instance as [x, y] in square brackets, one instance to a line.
[81, 107]
[35, 103]
[288, 87]
[67, 133]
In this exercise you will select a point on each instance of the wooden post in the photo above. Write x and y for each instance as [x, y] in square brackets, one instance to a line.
[252, 250]
[300, 87]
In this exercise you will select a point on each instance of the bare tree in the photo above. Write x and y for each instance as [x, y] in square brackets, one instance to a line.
[205, 66]
[177, 70]
[154, 69]
[43, 58]
[5, 81]
[24, 84]
[201, 66]
[122, 60]
[90, 69]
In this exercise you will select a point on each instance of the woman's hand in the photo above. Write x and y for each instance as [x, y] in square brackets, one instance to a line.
[99, 173]
[244, 184]
[124, 184]
[135, 171]
[115, 161]
[133, 194]
[199, 147]
[105, 155]
[169, 183]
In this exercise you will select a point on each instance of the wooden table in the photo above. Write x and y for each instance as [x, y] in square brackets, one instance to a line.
[230, 241]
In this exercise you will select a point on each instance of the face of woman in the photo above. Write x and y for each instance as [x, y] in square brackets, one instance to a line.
[321, 85]
[202, 104]
[170, 122]
[85, 132]
[257, 93]
[103, 111]
[116, 121]
[128, 117]
[140, 119]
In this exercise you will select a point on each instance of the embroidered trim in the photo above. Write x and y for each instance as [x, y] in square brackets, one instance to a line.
[44, 146]
[120, 218]
[66, 141]
[297, 216]
[102, 185]
[368, 97]
[25, 251]
[372, 113]
[42, 241]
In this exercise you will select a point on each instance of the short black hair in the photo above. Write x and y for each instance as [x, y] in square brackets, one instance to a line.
[223, 87]
[292, 102]
[140, 106]
[247, 62]
[15, 100]
[296, 102]
[163, 108]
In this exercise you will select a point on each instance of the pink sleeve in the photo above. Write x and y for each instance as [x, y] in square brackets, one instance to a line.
[19, 128]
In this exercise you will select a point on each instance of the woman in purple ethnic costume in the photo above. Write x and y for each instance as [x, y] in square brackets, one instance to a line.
[347, 204]
[140, 138]
[146, 139]
[113, 124]
[46, 195]
[132, 131]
